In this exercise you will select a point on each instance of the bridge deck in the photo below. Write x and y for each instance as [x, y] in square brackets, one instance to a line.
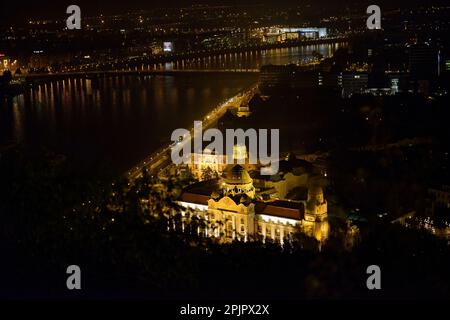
[88, 74]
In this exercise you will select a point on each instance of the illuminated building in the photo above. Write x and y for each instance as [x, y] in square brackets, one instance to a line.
[307, 32]
[5, 63]
[279, 34]
[167, 46]
[447, 65]
[435, 215]
[240, 153]
[201, 161]
[243, 110]
[216, 162]
[236, 206]
[398, 82]
[354, 82]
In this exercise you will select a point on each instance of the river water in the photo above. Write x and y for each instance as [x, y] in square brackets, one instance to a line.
[118, 121]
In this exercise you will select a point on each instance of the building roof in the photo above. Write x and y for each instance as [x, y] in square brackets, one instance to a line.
[236, 175]
[199, 193]
[240, 198]
[194, 198]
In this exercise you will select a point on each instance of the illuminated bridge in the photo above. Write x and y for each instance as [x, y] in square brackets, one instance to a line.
[135, 71]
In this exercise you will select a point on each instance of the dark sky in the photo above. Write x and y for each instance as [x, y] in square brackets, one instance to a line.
[15, 11]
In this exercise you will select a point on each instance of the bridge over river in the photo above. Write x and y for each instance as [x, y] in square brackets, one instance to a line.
[135, 71]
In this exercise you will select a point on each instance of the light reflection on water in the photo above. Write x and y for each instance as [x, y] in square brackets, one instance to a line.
[250, 60]
[120, 120]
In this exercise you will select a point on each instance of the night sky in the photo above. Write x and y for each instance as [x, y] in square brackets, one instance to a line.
[15, 12]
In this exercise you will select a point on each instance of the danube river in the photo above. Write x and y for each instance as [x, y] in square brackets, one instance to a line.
[115, 122]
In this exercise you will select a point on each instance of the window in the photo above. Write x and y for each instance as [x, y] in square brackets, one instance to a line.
[268, 231]
[229, 229]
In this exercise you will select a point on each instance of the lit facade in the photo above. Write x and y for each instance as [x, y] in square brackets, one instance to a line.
[279, 34]
[214, 161]
[235, 210]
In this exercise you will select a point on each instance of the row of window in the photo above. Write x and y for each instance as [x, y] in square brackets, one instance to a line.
[269, 232]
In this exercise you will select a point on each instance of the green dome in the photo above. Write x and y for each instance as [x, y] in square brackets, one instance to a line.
[237, 175]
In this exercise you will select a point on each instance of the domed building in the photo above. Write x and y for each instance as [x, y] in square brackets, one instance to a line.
[236, 180]
[235, 211]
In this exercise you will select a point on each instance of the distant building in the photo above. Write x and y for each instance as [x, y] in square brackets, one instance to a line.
[243, 111]
[423, 67]
[423, 62]
[439, 198]
[5, 62]
[167, 46]
[272, 77]
[278, 34]
[389, 84]
[216, 162]
[354, 82]
[276, 79]
[307, 32]
[437, 213]
[398, 82]
[156, 48]
[447, 65]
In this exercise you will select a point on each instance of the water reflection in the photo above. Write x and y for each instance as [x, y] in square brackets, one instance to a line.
[249, 60]
[120, 120]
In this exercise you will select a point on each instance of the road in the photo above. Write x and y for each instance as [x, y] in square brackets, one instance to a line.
[161, 157]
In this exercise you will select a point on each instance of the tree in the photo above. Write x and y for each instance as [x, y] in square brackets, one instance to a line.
[207, 173]
[7, 76]
[317, 55]
[5, 79]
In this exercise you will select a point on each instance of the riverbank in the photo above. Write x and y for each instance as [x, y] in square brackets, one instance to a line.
[12, 89]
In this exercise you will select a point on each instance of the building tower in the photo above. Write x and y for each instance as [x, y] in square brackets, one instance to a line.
[316, 205]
